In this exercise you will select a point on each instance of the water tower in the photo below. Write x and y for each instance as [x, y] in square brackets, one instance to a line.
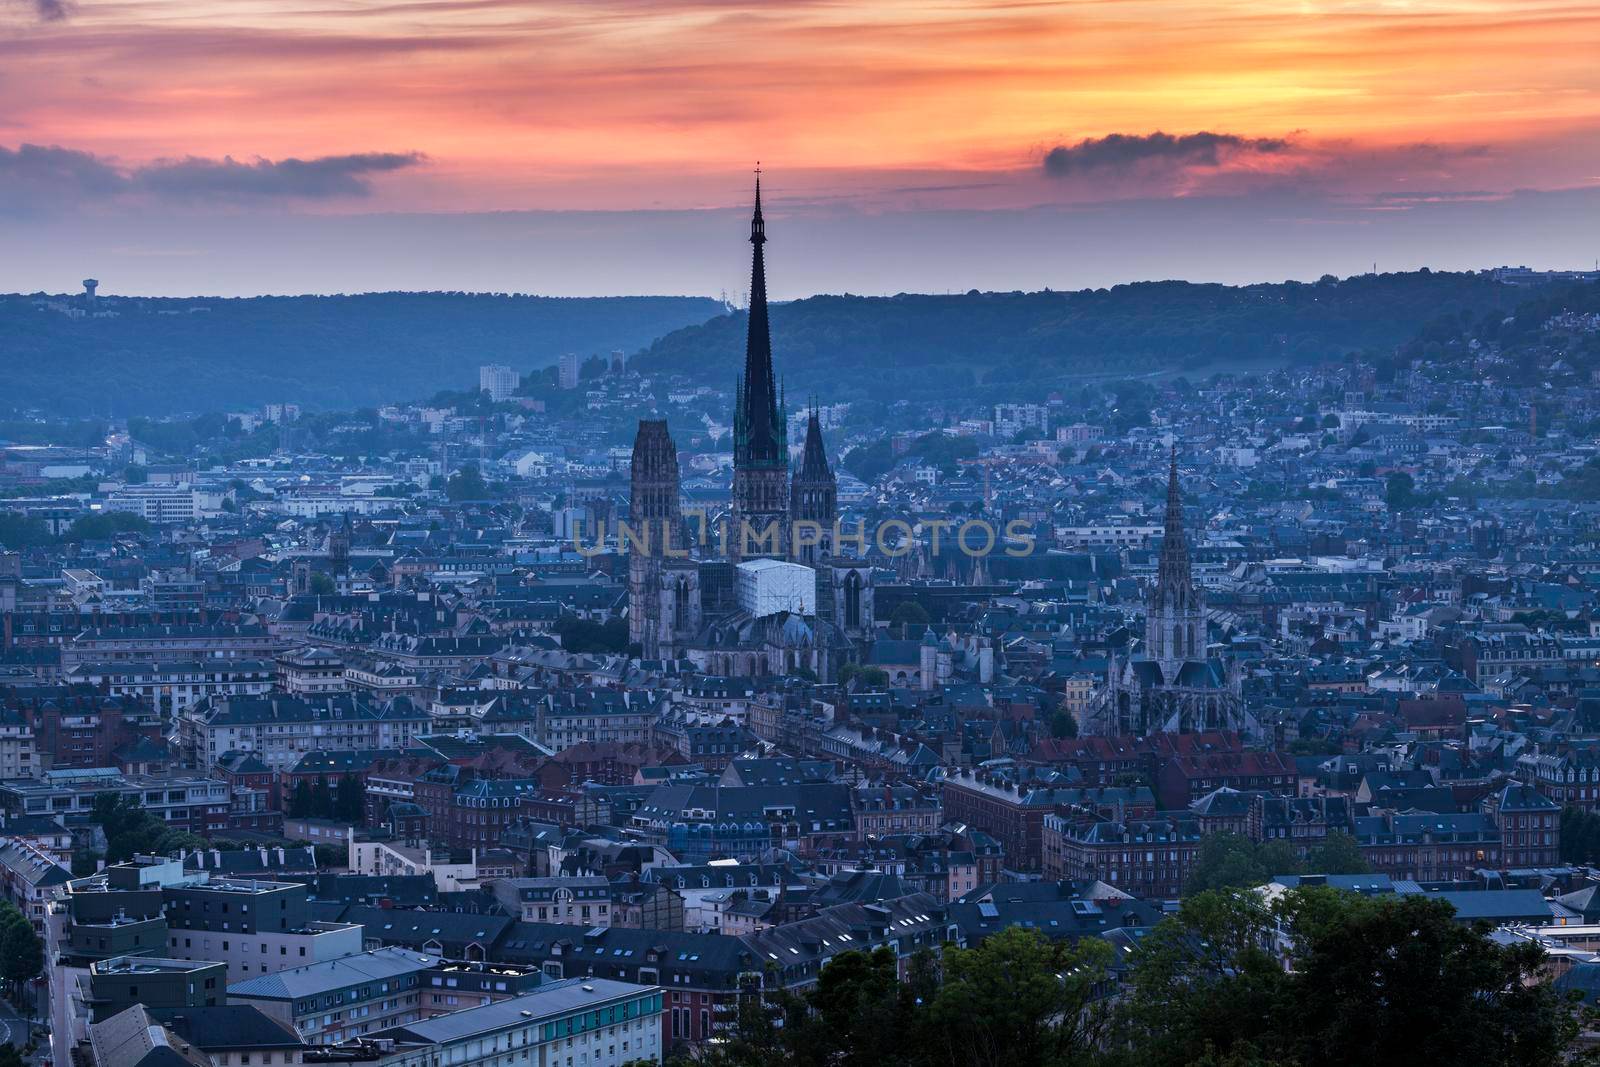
[89, 286]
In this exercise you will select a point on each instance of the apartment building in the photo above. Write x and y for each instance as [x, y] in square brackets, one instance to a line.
[169, 688]
[593, 1022]
[280, 729]
[576, 900]
[343, 999]
[170, 643]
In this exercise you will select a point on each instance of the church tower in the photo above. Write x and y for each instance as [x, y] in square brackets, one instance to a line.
[654, 501]
[814, 495]
[760, 427]
[813, 510]
[663, 585]
[1175, 624]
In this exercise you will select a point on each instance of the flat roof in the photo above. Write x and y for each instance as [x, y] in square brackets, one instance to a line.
[548, 1001]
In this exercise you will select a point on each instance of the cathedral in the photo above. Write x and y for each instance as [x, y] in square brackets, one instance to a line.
[769, 593]
[1169, 683]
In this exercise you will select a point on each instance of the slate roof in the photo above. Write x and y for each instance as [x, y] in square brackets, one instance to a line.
[414, 929]
[317, 978]
[227, 1027]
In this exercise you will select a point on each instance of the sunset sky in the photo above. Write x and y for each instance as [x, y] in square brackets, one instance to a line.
[239, 146]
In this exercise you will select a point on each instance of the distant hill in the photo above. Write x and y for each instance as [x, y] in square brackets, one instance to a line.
[331, 352]
[1014, 343]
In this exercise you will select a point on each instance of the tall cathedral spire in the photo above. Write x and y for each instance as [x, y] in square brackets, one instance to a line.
[1174, 572]
[1175, 622]
[760, 431]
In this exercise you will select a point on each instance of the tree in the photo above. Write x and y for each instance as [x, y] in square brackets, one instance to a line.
[1204, 982]
[330, 857]
[751, 1034]
[578, 634]
[349, 799]
[1232, 861]
[855, 1016]
[1018, 998]
[130, 830]
[467, 484]
[23, 531]
[321, 799]
[322, 584]
[21, 950]
[1374, 980]
[869, 677]
[1337, 854]
[105, 524]
[300, 800]
[1062, 724]
[1399, 490]
[1378, 978]
[908, 613]
[1580, 836]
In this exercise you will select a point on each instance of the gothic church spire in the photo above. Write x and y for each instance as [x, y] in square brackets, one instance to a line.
[760, 432]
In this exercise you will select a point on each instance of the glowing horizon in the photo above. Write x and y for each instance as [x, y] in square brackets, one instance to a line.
[313, 107]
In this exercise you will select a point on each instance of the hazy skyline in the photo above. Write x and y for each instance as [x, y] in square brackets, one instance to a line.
[605, 145]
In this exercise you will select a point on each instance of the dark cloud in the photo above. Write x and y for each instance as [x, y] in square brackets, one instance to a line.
[1127, 151]
[264, 179]
[42, 10]
[33, 174]
[42, 176]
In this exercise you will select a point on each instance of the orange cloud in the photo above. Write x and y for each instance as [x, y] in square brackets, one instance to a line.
[640, 103]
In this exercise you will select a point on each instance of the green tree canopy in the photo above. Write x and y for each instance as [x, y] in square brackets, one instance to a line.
[1375, 980]
[105, 524]
[1232, 861]
[908, 613]
[467, 484]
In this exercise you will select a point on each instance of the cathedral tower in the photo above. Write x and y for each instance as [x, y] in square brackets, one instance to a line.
[814, 495]
[1175, 624]
[663, 585]
[813, 510]
[760, 427]
[654, 479]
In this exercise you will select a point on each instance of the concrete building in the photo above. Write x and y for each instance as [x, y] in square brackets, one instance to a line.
[254, 927]
[186, 802]
[157, 503]
[584, 1022]
[344, 999]
[117, 984]
[499, 381]
[567, 370]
